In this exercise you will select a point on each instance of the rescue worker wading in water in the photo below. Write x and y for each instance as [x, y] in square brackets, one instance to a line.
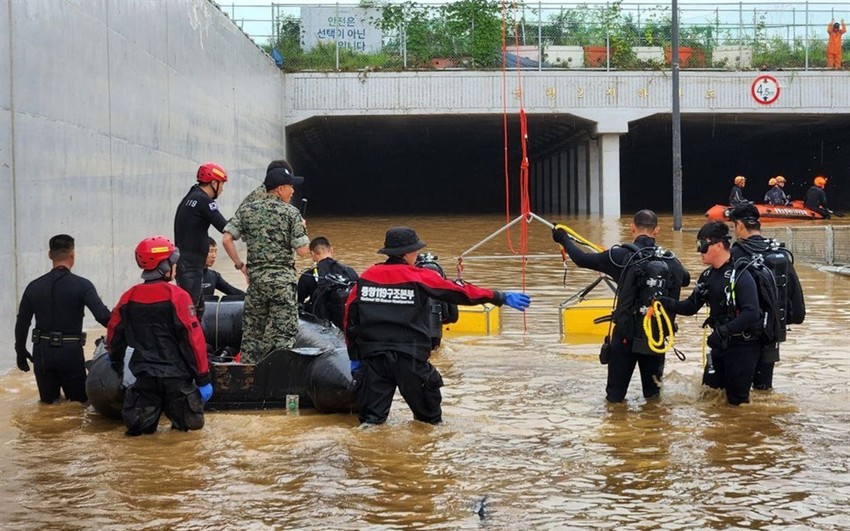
[387, 329]
[169, 357]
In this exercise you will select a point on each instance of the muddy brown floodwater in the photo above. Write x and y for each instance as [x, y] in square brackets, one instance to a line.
[525, 424]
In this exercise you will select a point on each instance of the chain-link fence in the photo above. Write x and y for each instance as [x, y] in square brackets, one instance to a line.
[827, 244]
[472, 34]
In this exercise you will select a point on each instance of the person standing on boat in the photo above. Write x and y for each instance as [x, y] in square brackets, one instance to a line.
[212, 280]
[815, 198]
[622, 356]
[195, 213]
[388, 324]
[169, 358]
[833, 47]
[57, 301]
[733, 315]
[736, 196]
[776, 195]
[749, 243]
[319, 294]
[272, 229]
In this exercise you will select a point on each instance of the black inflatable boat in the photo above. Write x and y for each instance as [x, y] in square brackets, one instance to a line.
[316, 369]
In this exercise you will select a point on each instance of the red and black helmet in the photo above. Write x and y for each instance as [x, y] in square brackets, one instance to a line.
[153, 250]
[210, 172]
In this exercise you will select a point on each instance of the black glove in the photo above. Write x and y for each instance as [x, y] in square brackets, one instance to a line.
[669, 303]
[23, 356]
[719, 338]
[559, 235]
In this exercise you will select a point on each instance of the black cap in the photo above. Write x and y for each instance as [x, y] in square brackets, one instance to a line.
[401, 240]
[280, 176]
[746, 211]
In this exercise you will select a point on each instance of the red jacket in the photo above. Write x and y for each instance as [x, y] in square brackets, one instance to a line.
[158, 320]
[388, 308]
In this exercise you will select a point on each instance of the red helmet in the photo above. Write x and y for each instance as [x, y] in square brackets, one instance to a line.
[210, 172]
[153, 250]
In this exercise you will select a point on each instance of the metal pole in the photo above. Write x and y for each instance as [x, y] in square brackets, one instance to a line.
[539, 36]
[807, 35]
[677, 124]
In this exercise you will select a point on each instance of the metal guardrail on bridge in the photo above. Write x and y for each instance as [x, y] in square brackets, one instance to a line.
[467, 34]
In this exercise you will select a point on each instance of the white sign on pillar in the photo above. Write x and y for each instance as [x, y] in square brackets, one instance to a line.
[350, 27]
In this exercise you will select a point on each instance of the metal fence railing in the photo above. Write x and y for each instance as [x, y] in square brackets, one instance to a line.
[825, 244]
[470, 34]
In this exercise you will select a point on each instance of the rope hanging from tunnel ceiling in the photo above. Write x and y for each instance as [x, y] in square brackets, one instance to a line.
[525, 203]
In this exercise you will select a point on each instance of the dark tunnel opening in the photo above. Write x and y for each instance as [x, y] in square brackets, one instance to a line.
[386, 165]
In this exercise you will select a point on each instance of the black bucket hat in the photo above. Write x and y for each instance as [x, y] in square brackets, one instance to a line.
[401, 240]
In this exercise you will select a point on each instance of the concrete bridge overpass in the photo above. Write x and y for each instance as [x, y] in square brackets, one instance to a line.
[599, 142]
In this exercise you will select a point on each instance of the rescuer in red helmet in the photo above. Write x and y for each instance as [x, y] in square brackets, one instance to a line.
[169, 359]
[195, 213]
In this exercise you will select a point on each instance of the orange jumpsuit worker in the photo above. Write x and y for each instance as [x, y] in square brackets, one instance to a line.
[833, 49]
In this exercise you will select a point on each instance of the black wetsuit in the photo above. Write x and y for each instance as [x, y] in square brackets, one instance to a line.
[815, 199]
[318, 294]
[212, 280]
[387, 328]
[795, 307]
[195, 213]
[622, 360]
[58, 300]
[736, 196]
[735, 347]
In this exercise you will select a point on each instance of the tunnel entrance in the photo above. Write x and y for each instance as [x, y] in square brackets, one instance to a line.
[374, 165]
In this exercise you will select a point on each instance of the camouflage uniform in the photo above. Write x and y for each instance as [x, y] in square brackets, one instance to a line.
[271, 229]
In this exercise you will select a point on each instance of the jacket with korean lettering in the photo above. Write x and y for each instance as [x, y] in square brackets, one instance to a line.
[388, 309]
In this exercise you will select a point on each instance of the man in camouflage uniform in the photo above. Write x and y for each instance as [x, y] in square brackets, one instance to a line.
[272, 229]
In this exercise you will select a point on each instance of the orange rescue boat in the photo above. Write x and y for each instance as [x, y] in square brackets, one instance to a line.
[796, 210]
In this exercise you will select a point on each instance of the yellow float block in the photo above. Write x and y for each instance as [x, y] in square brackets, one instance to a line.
[577, 319]
[481, 319]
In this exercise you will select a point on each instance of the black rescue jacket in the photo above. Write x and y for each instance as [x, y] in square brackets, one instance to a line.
[388, 309]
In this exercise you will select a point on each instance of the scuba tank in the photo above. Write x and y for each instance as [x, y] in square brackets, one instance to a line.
[439, 312]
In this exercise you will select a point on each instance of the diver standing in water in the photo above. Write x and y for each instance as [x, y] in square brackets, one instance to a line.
[212, 280]
[628, 264]
[195, 213]
[57, 300]
[169, 357]
[749, 245]
[387, 329]
[733, 315]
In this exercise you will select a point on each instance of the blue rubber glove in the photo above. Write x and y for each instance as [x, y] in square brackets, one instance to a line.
[206, 392]
[517, 300]
[355, 365]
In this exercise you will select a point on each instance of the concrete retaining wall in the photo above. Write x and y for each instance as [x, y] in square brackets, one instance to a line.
[106, 110]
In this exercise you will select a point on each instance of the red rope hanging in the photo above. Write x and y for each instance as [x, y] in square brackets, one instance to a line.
[525, 201]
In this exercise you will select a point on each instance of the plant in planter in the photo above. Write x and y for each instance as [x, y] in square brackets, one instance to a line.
[601, 31]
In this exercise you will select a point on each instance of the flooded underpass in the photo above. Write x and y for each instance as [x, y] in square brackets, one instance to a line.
[527, 434]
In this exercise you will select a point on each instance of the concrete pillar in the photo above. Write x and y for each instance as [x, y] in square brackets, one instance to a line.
[595, 176]
[610, 172]
[581, 175]
[563, 179]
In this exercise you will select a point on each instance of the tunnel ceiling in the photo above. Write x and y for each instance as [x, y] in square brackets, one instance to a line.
[372, 165]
